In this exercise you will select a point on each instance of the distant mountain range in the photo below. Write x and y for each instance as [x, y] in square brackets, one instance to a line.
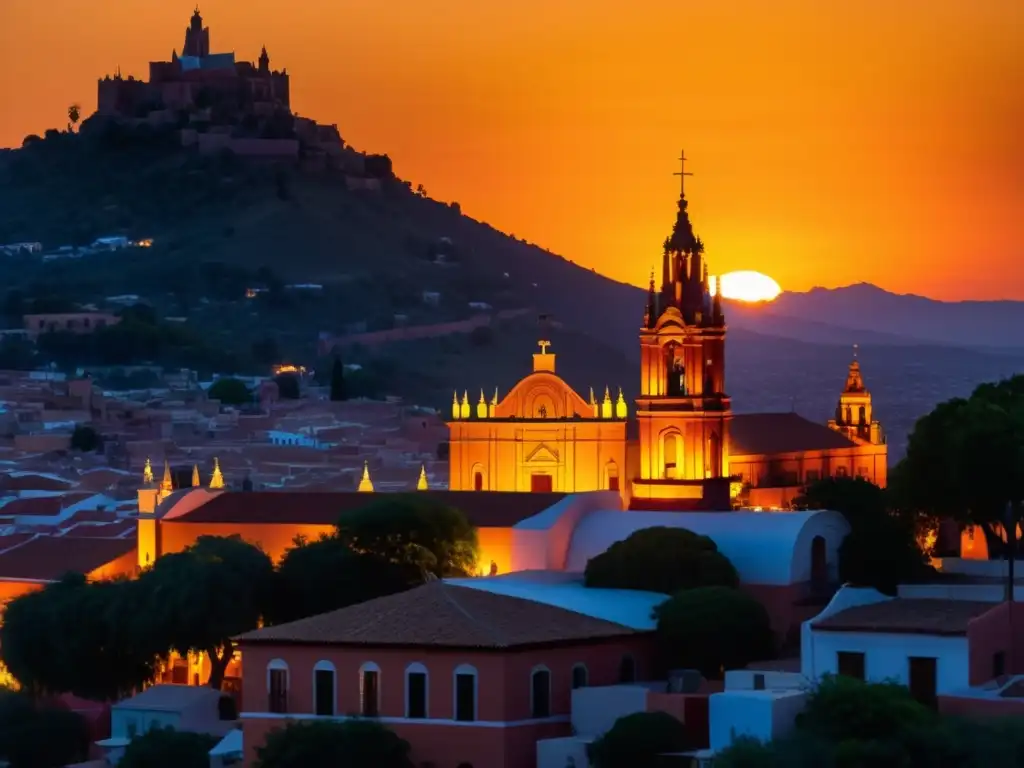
[866, 314]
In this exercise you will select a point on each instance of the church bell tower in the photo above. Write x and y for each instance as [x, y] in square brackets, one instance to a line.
[683, 412]
[854, 417]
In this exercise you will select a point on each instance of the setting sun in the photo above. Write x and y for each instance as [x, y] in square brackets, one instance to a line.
[748, 286]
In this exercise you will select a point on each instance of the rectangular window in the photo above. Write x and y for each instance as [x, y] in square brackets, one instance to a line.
[278, 693]
[541, 694]
[323, 680]
[416, 707]
[850, 664]
[371, 690]
[613, 483]
[923, 678]
[998, 663]
[465, 698]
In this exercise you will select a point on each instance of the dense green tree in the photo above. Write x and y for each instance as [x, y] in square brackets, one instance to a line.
[413, 529]
[82, 638]
[207, 594]
[713, 629]
[661, 560]
[338, 380]
[36, 736]
[324, 575]
[288, 386]
[86, 439]
[638, 741]
[230, 392]
[168, 748]
[964, 459]
[327, 744]
[882, 549]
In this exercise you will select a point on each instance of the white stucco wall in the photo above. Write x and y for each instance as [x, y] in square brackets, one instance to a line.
[770, 548]
[558, 753]
[886, 656]
[763, 715]
[595, 710]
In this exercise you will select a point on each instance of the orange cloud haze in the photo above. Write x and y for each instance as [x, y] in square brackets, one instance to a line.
[831, 142]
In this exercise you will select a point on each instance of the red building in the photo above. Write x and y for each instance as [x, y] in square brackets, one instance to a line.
[468, 677]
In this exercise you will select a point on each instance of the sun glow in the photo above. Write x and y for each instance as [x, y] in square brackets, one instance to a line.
[747, 286]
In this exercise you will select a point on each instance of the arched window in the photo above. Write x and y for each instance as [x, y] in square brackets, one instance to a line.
[325, 689]
[417, 692]
[672, 455]
[540, 692]
[579, 676]
[627, 669]
[478, 477]
[465, 693]
[277, 686]
[369, 690]
[862, 415]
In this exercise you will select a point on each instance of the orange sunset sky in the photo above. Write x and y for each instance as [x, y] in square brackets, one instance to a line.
[832, 141]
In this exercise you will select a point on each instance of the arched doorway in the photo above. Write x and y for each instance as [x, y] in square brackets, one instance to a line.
[819, 563]
[478, 477]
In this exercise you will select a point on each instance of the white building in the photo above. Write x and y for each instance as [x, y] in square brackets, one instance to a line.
[923, 643]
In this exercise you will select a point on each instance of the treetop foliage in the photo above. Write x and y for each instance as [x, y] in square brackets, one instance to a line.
[661, 560]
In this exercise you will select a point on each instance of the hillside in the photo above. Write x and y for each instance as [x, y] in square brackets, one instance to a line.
[220, 225]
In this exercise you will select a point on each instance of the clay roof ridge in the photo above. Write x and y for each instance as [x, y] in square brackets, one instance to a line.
[489, 631]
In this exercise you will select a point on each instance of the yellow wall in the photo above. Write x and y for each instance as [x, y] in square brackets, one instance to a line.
[542, 427]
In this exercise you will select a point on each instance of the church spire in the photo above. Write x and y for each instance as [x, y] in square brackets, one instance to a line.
[365, 483]
[166, 486]
[217, 481]
[147, 473]
[651, 313]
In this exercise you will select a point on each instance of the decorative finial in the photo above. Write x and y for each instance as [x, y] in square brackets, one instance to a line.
[421, 483]
[855, 347]
[543, 346]
[166, 486]
[365, 483]
[620, 406]
[147, 473]
[195, 476]
[481, 407]
[456, 411]
[217, 481]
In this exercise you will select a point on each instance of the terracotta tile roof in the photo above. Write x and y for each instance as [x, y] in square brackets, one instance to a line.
[440, 614]
[914, 616]
[47, 558]
[767, 433]
[28, 481]
[42, 506]
[484, 509]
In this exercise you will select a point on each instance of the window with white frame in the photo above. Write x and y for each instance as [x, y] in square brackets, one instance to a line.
[540, 692]
[416, 692]
[465, 693]
[369, 690]
[325, 689]
[277, 686]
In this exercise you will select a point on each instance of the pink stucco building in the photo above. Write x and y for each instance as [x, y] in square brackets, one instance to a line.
[468, 677]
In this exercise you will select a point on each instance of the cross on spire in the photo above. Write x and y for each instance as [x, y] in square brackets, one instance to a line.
[543, 346]
[855, 347]
[682, 173]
